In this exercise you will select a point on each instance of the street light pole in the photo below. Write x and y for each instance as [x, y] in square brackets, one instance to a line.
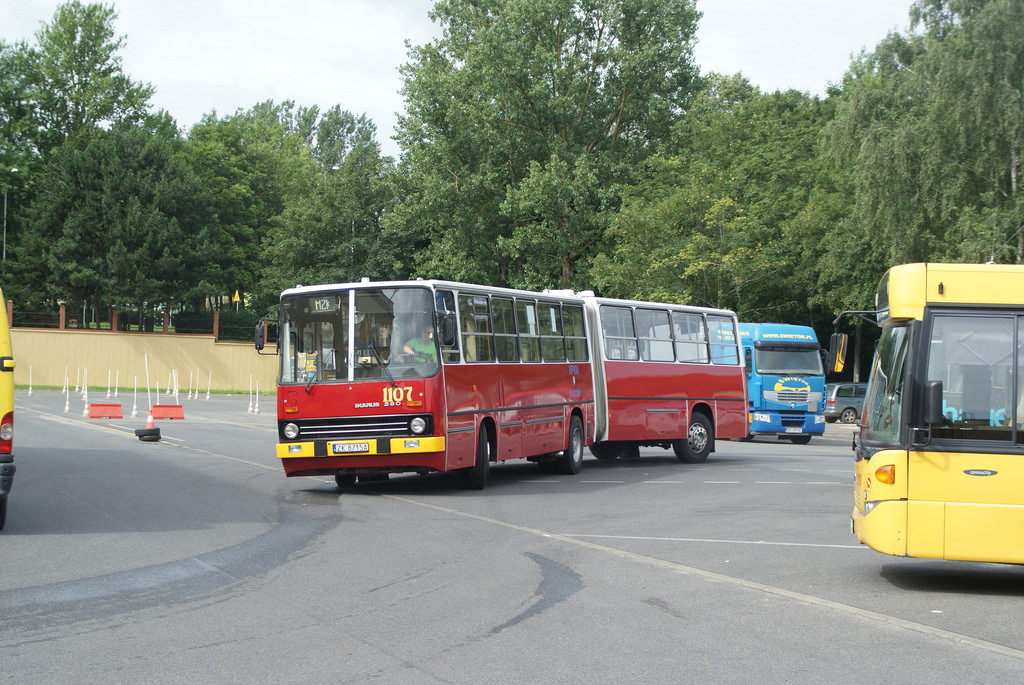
[13, 171]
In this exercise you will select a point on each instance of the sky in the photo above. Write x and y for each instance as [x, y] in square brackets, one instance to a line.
[223, 55]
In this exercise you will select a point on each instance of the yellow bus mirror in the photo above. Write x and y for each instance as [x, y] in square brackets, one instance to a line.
[837, 352]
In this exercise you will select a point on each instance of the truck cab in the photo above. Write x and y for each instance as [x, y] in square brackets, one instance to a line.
[785, 380]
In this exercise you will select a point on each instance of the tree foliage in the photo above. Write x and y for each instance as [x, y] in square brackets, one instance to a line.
[928, 130]
[520, 121]
[565, 143]
[115, 222]
[75, 78]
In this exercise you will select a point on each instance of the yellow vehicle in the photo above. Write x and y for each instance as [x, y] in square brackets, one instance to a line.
[940, 453]
[6, 412]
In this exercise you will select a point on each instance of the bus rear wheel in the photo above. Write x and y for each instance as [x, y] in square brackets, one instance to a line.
[344, 480]
[700, 439]
[475, 476]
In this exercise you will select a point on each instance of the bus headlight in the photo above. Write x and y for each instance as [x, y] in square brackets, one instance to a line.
[417, 425]
[291, 431]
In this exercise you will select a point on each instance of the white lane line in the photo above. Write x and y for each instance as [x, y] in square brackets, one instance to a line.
[644, 538]
[810, 600]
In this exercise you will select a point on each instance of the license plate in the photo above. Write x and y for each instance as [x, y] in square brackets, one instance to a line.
[794, 430]
[350, 447]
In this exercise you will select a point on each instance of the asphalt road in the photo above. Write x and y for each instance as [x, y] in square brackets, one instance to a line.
[195, 560]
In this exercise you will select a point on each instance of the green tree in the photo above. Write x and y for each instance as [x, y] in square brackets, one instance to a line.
[712, 221]
[116, 222]
[75, 79]
[927, 135]
[249, 165]
[520, 121]
[333, 233]
[16, 130]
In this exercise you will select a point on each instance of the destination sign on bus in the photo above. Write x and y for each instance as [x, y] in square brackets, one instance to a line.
[323, 305]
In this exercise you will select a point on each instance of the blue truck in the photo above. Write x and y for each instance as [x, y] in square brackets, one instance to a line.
[785, 380]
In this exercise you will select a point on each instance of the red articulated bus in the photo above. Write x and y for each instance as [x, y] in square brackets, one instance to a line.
[664, 375]
[420, 376]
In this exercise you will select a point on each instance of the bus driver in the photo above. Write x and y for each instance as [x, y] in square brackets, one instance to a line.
[422, 348]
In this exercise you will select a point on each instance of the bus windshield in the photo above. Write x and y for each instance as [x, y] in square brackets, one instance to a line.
[348, 335]
[884, 402]
[786, 360]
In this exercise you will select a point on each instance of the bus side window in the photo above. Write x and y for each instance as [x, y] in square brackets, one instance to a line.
[619, 333]
[504, 316]
[444, 302]
[551, 341]
[529, 332]
[575, 332]
[691, 337]
[655, 335]
[722, 333]
[476, 328]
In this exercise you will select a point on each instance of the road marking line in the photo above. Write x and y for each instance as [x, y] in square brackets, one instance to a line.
[713, 540]
[866, 614]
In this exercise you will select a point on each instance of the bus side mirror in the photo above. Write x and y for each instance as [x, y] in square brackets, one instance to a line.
[449, 335]
[837, 352]
[933, 403]
[260, 335]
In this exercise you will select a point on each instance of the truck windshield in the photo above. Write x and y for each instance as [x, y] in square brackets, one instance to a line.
[788, 361]
[347, 335]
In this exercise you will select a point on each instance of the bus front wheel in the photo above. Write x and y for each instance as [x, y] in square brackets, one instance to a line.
[572, 459]
[698, 443]
[476, 475]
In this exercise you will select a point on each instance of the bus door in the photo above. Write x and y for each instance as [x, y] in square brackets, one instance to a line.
[964, 490]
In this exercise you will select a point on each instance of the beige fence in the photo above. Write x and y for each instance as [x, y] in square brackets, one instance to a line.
[101, 358]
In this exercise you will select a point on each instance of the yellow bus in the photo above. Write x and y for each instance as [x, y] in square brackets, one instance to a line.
[6, 411]
[940, 452]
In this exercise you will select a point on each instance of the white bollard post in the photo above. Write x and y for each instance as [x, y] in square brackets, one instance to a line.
[149, 397]
[256, 409]
[30, 381]
[250, 394]
[208, 379]
[108, 384]
[117, 380]
[135, 398]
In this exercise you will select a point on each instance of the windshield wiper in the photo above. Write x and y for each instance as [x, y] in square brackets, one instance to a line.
[373, 348]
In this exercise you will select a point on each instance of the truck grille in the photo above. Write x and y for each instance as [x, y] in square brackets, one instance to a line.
[787, 397]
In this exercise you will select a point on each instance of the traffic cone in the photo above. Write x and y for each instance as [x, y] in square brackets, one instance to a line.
[150, 433]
